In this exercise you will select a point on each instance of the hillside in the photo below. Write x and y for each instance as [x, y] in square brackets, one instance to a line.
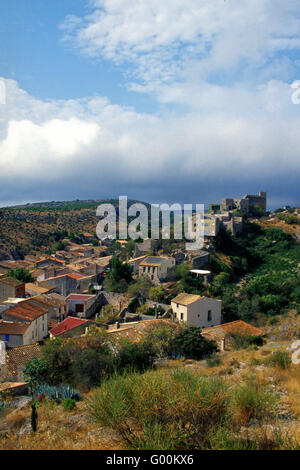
[256, 388]
[34, 228]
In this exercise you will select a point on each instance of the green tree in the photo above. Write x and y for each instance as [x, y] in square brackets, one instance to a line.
[21, 274]
[157, 293]
[191, 344]
[34, 373]
[219, 282]
[119, 276]
[140, 289]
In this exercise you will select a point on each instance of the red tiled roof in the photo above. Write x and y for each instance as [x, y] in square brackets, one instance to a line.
[66, 325]
[237, 326]
[79, 297]
[72, 275]
[14, 328]
[26, 310]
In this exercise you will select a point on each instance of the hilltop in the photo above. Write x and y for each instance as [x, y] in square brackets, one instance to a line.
[34, 228]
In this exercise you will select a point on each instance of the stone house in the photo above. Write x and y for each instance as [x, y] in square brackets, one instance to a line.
[199, 259]
[156, 267]
[197, 310]
[71, 282]
[56, 304]
[33, 316]
[83, 305]
[11, 288]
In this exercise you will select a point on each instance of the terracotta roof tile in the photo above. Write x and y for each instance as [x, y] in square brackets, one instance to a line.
[66, 325]
[26, 310]
[13, 328]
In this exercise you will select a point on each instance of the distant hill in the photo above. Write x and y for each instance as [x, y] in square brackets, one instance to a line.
[36, 227]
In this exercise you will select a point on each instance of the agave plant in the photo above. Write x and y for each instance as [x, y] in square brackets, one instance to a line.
[58, 393]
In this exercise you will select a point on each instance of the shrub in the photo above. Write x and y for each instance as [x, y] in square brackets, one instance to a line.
[190, 344]
[20, 274]
[134, 356]
[213, 360]
[179, 412]
[280, 359]
[34, 373]
[2, 405]
[69, 404]
[250, 401]
[242, 341]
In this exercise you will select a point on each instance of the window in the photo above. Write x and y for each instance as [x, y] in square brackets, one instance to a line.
[181, 316]
[209, 318]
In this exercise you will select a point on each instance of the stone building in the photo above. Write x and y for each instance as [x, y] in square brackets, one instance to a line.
[156, 268]
[248, 204]
[10, 287]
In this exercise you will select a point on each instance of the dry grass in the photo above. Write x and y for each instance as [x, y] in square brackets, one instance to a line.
[58, 430]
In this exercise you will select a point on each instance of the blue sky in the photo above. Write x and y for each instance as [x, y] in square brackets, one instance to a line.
[163, 101]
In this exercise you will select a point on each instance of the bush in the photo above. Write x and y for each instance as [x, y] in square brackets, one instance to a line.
[250, 401]
[181, 411]
[242, 341]
[20, 274]
[134, 356]
[213, 361]
[192, 345]
[34, 373]
[69, 404]
[280, 359]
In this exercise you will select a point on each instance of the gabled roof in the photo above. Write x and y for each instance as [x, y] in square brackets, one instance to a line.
[53, 299]
[10, 281]
[72, 275]
[30, 286]
[67, 324]
[238, 326]
[186, 299]
[13, 328]
[26, 311]
[80, 297]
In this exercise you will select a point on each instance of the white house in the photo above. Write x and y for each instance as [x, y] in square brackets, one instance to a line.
[197, 310]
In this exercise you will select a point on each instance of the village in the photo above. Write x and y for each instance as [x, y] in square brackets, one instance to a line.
[86, 310]
[66, 294]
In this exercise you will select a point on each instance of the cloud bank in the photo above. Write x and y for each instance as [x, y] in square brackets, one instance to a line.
[221, 72]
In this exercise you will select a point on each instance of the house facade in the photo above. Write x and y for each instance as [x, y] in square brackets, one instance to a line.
[197, 310]
[17, 334]
[10, 287]
[156, 268]
[83, 305]
[29, 313]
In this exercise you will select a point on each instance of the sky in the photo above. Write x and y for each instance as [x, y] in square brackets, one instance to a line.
[169, 101]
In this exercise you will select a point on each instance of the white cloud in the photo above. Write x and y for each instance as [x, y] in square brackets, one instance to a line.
[226, 66]
[77, 140]
[174, 40]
